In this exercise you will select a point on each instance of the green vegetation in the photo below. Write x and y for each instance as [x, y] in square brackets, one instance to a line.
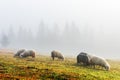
[44, 68]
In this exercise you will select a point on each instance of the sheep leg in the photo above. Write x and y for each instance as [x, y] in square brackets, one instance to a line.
[53, 58]
[94, 66]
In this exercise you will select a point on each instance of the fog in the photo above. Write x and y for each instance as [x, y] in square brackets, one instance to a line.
[69, 26]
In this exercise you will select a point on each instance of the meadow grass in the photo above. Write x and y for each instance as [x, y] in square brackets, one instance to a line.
[44, 68]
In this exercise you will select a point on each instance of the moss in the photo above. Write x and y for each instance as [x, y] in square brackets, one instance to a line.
[42, 67]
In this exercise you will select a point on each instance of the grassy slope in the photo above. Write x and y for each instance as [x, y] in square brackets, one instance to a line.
[42, 67]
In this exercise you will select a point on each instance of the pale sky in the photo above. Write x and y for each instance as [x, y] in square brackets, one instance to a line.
[29, 13]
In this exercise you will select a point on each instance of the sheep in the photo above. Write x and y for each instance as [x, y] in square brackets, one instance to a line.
[28, 53]
[57, 55]
[95, 60]
[17, 54]
[84, 58]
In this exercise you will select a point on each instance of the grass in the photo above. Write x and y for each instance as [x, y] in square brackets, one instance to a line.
[44, 68]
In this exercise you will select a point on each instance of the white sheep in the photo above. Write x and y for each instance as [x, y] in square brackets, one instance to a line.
[28, 53]
[57, 55]
[95, 60]
[17, 54]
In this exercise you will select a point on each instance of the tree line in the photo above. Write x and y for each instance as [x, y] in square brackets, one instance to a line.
[71, 36]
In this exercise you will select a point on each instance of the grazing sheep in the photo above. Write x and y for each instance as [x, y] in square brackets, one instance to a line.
[57, 55]
[100, 61]
[28, 53]
[17, 54]
[84, 58]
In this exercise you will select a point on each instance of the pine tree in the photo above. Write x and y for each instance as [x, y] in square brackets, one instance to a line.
[4, 40]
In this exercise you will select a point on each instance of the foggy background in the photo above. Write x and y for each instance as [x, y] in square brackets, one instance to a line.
[69, 26]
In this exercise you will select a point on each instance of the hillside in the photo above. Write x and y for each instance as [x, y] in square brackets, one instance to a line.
[43, 68]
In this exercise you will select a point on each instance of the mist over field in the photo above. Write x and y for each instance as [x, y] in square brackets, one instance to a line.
[69, 26]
